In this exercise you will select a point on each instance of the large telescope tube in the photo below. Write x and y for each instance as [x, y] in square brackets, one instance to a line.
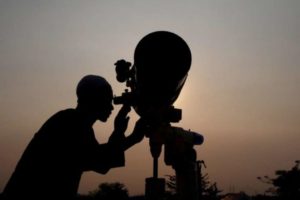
[161, 62]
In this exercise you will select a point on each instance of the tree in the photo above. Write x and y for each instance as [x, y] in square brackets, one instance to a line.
[207, 190]
[286, 184]
[110, 191]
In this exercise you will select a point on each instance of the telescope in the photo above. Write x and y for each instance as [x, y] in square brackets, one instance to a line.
[162, 61]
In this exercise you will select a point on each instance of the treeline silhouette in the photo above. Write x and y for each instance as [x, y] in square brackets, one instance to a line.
[107, 191]
[284, 186]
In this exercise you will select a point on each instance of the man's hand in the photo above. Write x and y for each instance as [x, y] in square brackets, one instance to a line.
[121, 120]
[120, 124]
[139, 131]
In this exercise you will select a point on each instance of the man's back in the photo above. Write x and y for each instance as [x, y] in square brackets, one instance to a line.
[51, 162]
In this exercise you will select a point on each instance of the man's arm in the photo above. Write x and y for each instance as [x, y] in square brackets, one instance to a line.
[112, 154]
[118, 138]
[136, 136]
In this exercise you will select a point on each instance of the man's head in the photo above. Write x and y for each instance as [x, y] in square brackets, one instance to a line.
[95, 94]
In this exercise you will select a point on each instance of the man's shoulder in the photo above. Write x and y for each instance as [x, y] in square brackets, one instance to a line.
[69, 112]
[63, 118]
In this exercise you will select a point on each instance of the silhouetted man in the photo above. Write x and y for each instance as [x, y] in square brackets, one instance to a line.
[65, 146]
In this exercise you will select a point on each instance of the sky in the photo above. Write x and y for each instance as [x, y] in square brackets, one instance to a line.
[241, 94]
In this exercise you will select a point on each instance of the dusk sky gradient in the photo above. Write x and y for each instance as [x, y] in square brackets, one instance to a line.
[242, 92]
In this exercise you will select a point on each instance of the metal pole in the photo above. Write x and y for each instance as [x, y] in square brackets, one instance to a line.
[155, 167]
